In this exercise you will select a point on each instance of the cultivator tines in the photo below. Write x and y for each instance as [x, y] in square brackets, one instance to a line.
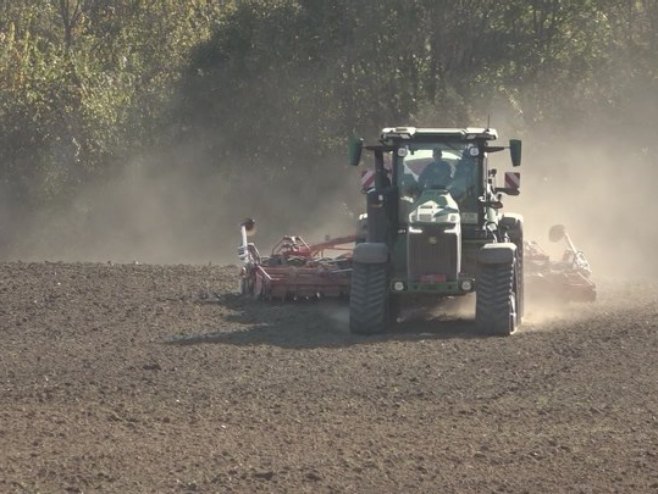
[295, 269]
[567, 280]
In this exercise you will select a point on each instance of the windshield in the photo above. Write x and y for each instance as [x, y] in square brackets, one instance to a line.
[443, 165]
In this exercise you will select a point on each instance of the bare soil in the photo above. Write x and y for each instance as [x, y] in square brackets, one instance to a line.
[136, 378]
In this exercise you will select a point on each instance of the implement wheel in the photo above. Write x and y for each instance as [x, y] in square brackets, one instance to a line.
[370, 300]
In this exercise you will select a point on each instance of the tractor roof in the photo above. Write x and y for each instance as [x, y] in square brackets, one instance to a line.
[430, 134]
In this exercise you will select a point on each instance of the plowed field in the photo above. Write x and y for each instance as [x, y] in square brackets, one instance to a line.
[143, 378]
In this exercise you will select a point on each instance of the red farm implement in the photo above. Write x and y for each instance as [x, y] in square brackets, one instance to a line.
[566, 280]
[295, 269]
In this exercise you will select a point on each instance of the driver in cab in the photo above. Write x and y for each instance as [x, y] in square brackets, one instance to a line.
[437, 174]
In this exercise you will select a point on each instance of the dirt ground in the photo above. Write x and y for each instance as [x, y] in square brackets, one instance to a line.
[144, 378]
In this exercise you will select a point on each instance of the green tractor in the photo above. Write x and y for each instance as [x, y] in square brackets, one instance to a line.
[434, 228]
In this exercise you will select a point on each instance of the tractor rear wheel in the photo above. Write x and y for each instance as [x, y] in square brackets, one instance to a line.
[370, 301]
[497, 301]
[513, 224]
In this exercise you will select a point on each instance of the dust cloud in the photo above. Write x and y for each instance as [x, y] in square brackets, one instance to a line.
[179, 209]
[176, 208]
[177, 214]
[602, 192]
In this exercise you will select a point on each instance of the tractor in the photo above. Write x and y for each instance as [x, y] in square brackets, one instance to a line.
[434, 228]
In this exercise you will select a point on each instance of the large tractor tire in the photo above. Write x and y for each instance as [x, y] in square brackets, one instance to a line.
[519, 285]
[513, 223]
[496, 306]
[370, 301]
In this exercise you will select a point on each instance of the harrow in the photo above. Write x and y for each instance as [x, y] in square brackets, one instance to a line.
[567, 280]
[296, 270]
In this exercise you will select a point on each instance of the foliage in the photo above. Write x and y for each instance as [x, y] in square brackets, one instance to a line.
[276, 85]
[310, 72]
[82, 84]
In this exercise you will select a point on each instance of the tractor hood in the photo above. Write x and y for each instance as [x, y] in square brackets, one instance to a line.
[434, 207]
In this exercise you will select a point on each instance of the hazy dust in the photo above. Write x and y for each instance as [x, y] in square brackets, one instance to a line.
[180, 208]
[604, 200]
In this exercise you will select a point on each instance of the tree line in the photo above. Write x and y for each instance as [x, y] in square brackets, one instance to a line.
[274, 87]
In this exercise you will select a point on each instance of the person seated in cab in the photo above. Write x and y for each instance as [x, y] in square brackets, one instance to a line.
[437, 174]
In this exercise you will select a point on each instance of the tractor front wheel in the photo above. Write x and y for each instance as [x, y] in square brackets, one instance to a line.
[370, 301]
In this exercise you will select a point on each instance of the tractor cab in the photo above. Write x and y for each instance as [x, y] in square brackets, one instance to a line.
[463, 152]
[426, 161]
[450, 166]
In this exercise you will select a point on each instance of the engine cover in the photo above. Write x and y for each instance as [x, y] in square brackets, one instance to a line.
[434, 238]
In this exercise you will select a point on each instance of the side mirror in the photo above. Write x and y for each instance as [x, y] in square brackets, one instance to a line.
[556, 233]
[515, 151]
[355, 147]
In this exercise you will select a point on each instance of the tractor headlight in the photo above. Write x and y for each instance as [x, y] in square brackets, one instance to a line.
[466, 285]
[398, 286]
